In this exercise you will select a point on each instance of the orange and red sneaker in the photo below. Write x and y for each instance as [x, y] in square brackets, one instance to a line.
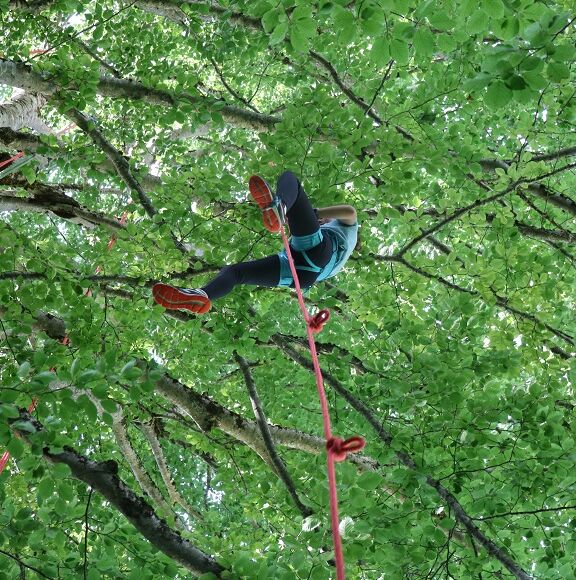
[172, 298]
[268, 203]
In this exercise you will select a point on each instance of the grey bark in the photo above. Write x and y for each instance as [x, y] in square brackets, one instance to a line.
[20, 75]
[142, 477]
[561, 201]
[50, 199]
[23, 111]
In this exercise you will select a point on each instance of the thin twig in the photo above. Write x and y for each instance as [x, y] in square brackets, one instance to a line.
[21, 563]
[86, 528]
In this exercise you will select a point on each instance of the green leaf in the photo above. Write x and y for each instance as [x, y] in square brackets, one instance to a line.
[345, 25]
[424, 44]
[9, 411]
[564, 53]
[109, 405]
[45, 488]
[557, 71]
[478, 82]
[15, 447]
[271, 19]
[279, 33]
[86, 377]
[88, 406]
[516, 83]
[399, 51]
[477, 23]
[532, 63]
[498, 95]
[132, 373]
[129, 365]
[370, 480]
[299, 40]
[24, 369]
[535, 80]
[65, 491]
[45, 377]
[441, 19]
[494, 8]
[380, 51]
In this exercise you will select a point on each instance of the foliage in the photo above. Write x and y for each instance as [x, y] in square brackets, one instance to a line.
[449, 126]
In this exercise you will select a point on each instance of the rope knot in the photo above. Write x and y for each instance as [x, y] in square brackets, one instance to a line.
[339, 448]
[318, 321]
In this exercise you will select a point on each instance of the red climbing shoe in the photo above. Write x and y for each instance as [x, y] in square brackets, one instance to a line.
[269, 204]
[172, 298]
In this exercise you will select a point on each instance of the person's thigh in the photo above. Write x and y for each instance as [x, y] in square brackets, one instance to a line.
[300, 214]
[263, 272]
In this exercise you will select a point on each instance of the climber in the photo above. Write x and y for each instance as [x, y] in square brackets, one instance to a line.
[321, 241]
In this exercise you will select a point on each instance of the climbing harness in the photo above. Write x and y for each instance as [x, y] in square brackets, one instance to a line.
[337, 448]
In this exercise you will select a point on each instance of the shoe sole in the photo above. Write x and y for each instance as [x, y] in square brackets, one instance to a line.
[172, 299]
[262, 195]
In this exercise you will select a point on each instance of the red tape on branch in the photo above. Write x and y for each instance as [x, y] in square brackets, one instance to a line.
[13, 158]
[337, 448]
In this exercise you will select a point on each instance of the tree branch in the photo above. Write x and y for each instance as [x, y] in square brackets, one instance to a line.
[49, 199]
[453, 216]
[406, 460]
[21, 563]
[86, 528]
[103, 477]
[122, 167]
[175, 496]
[281, 470]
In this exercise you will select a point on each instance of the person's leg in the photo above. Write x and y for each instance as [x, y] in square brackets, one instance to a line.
[264, 272]
[299, 211]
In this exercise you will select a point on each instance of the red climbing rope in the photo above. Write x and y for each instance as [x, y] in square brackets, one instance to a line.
[337, 449]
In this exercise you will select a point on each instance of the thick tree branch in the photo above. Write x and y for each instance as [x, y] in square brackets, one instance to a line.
[50, 199]
[20, 75]
[567, 152]
[142, 477]
[23, 111]
[559, 200]
[538, 189]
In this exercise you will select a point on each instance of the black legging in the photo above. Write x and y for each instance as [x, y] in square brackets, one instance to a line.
[266, 272]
